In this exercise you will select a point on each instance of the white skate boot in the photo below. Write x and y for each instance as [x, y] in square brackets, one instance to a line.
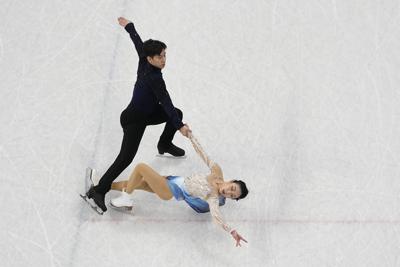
[124, 202]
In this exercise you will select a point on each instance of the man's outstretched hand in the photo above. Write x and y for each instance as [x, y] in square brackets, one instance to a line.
[123, 21]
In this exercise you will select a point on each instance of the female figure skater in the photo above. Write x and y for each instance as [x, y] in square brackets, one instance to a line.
[202, 193]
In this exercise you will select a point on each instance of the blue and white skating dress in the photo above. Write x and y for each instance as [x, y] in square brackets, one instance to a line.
[196, 192]
[178, 188]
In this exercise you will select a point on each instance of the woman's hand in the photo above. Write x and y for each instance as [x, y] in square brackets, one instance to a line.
[185, 130]
[237, 237]
[123, 21]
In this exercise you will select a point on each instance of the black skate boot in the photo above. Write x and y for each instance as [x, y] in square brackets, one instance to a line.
[171, 149]
[98, 198]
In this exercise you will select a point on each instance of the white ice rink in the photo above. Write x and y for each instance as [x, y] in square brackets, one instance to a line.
[300, 99]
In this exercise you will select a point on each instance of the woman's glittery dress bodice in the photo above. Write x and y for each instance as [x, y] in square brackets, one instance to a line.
[197, 185]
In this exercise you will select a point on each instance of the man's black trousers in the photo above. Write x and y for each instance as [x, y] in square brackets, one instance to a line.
[134, 124]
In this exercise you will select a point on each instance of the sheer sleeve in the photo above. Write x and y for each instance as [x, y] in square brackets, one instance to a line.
[213, 203]
[214, 167]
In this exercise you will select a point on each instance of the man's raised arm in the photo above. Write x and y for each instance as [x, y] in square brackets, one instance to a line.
[130, 28]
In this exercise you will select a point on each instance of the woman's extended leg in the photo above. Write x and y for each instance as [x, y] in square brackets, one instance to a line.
[119, 185]
[123, 184]
[144, 177]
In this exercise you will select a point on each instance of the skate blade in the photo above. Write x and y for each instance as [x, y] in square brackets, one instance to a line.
[93, 206]
[169, 156]
[123, 209]
[88, 179]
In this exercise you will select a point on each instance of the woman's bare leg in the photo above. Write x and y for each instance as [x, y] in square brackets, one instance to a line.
[119, 185]
[123, 184]
[144, 177]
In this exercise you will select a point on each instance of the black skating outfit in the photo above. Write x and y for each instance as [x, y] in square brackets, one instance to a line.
[150, 105]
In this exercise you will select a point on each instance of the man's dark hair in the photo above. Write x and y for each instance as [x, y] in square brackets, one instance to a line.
[243, 189]
[153, 47]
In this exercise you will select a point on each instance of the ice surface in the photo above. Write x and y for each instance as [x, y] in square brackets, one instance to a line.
[298, 98]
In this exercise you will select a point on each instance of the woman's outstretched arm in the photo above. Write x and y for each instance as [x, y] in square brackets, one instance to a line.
[214, 167]
[213, 203]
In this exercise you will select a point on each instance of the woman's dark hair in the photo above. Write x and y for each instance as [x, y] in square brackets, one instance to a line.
[243, 189]
[153, 47]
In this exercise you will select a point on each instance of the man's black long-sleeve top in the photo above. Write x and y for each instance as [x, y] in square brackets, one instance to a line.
[150, 89]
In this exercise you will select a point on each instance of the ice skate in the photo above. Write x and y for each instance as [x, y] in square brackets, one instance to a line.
[172, 150]
[93, 198]
[94, 177]
[122, 203]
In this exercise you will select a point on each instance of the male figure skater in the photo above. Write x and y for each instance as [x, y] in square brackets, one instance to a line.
[150, 105]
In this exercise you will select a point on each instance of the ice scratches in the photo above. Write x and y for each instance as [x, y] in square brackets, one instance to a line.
[85, 24]
[1, 49]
